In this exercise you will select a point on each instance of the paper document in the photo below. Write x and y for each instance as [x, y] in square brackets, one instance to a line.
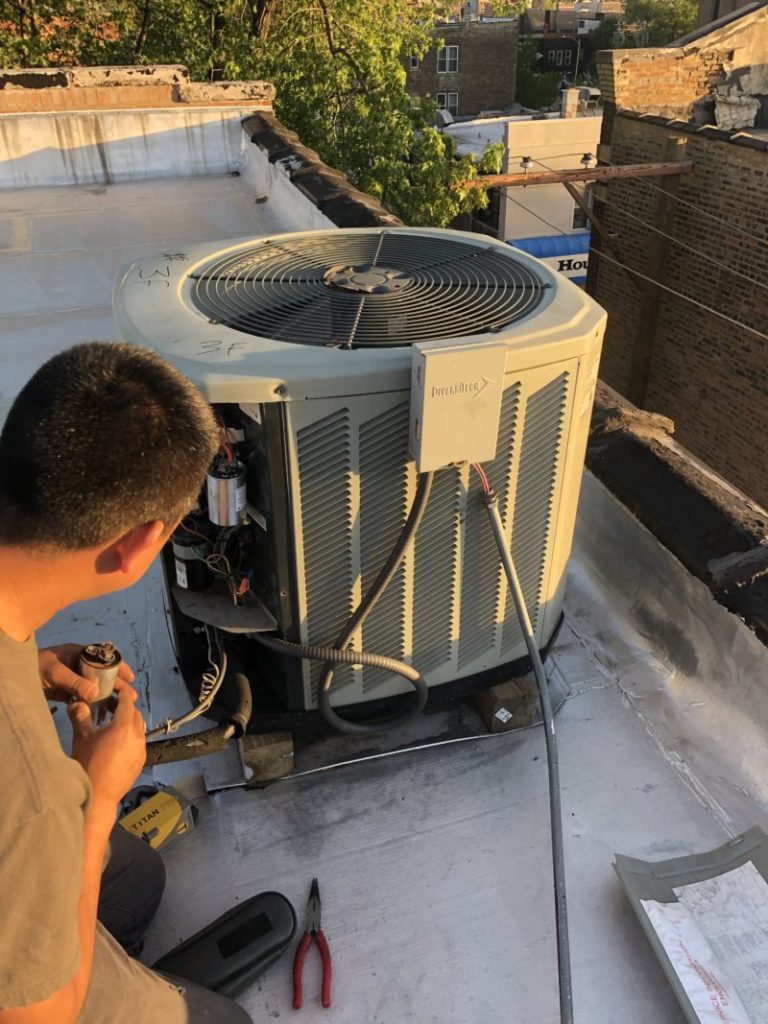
[716, 937]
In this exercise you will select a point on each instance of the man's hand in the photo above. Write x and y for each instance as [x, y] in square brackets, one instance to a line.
[58, 671]
[112, 755]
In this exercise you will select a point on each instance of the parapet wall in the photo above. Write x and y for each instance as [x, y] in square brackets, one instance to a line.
[43, 90]
[717, 75]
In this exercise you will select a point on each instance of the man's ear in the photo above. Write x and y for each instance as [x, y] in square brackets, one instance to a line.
[133, 547]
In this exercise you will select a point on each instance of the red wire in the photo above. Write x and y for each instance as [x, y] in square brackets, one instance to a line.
[483, 478]
[224, 442]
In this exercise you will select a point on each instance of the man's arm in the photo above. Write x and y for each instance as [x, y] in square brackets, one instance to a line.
[112, 756]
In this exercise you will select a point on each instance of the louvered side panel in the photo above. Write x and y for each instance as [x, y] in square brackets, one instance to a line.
[532, 511]
[324, 454]
[480, 591]
[383, 508]
[435, 574]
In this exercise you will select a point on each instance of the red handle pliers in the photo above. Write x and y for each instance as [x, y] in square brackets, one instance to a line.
[313, 931]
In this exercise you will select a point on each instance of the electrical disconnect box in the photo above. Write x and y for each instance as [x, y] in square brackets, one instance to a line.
[456, 394]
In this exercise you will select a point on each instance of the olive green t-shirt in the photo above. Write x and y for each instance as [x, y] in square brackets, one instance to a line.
[43, 797]
[43, 800]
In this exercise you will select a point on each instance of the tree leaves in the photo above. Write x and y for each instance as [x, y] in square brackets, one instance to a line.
[337, 66]
[666, 20]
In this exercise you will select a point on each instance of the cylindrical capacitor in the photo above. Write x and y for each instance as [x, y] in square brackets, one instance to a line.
[191, 571]
[226, 493]
[100, 662]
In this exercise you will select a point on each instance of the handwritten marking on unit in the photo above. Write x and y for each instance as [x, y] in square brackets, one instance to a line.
[159, 275]
[215, 346]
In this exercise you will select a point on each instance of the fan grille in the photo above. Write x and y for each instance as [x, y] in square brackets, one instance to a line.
[366, 289]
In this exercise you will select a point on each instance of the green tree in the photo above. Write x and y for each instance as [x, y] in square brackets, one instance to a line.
[602, 38]
[337, 66]
[536, 89]
[665, 20]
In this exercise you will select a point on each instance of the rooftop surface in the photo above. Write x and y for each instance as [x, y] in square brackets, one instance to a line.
[61, 249]
[433, 860]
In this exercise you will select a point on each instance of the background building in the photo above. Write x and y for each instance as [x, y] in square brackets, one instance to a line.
[474, 71]
[542, 219]
[687, 332]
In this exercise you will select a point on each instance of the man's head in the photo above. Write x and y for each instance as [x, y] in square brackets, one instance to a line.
[102, 452]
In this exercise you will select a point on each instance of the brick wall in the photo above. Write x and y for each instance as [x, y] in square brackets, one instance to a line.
[709, 375]
[661, 81]
[487, 66]
[716, 77]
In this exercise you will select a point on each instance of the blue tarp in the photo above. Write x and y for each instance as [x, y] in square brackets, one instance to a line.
[553, 245]
[544, 246]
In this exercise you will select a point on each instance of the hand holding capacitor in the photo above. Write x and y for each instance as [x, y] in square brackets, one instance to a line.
[113, 754]
[61, 680]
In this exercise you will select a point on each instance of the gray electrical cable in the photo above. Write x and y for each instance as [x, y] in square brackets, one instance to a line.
[330, 655]
[347, 656]
[386, 574]
[555, 810]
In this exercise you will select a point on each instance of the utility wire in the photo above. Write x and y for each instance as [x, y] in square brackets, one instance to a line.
[684, 202]
[686, 298]
[558, 155]
[536, 215]
[673, 238]
[680, 295]
[684, 245]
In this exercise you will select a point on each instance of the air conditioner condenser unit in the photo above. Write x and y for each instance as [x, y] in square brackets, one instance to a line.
[304, 345]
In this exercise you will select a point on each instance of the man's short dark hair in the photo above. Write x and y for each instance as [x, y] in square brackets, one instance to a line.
[103, 438]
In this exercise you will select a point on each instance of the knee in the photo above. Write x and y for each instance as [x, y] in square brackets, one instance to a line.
[148, 871]
[131, 888]
[143, 867]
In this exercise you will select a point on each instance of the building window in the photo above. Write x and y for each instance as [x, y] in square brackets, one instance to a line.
[448, 60]
[559, 60]
[414, 63]
[567, 57]
[448, 101]
[551, 57]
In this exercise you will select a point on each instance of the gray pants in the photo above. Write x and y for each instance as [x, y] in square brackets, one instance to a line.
[131, 887]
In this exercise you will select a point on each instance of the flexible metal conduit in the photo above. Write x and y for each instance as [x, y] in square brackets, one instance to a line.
[555, 811]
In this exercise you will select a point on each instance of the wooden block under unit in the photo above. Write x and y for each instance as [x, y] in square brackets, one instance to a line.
[509, 705]
[269, 755]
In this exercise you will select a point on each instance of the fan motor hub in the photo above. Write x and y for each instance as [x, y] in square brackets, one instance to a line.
[367, 279]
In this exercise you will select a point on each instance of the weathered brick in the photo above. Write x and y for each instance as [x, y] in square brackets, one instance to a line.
[709, 375]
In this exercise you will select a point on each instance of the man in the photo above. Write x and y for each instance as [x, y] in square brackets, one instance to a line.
[102, 453]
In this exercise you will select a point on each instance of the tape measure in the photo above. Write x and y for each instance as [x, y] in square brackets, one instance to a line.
[159, 816]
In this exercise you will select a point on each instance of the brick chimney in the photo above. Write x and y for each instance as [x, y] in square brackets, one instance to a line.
[569, 102]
